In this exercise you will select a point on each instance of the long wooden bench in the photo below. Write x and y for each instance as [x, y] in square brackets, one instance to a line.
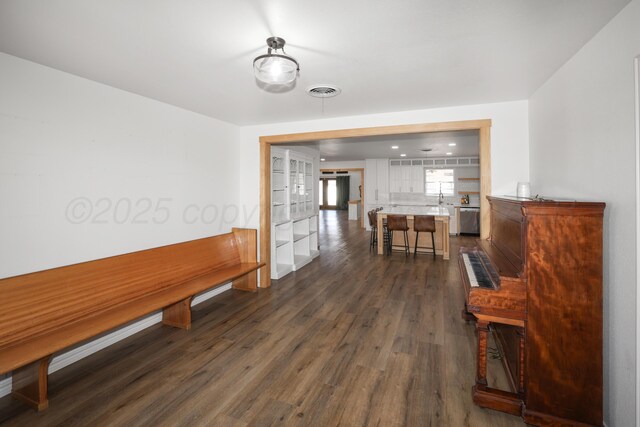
[48, 311]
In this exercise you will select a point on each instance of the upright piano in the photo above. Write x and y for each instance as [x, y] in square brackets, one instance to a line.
[536, 285]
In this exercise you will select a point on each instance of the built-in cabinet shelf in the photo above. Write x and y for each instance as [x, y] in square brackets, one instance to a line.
[294, 245]
[294, 215]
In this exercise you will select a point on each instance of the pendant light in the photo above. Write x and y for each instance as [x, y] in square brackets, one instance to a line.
[275, 68]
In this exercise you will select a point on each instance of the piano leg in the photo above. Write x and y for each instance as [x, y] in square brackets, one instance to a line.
[482, 327]
[483, 395]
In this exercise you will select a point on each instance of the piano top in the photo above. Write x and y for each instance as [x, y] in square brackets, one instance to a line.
[544, 201]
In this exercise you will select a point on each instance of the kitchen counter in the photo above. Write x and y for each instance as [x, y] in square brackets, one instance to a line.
[417, 210]
[354, 210]
[441, 235]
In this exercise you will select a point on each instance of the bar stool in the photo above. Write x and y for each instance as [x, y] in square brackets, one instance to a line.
[373, 223]
[397, 223]
[424, 224]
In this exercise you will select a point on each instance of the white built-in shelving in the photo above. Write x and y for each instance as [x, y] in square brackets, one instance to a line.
[294, 215]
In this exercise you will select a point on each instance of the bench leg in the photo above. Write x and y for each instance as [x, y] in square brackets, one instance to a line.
[29, 384]
[178, 314]
[248, 282]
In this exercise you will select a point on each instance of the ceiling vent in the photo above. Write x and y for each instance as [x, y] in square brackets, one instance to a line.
[323, 91]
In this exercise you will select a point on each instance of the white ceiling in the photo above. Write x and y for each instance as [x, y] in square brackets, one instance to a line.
[385, 55]
[467, 144]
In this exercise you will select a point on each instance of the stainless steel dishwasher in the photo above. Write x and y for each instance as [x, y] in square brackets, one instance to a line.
[469, 221]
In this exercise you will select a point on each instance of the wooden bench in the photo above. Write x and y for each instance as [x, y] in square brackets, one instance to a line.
[47, 311]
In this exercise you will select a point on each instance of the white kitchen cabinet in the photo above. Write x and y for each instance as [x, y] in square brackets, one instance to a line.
[382, 177]
[406, 176]
[395, 178]
[376, 180]
[417, 179]
[405, 187]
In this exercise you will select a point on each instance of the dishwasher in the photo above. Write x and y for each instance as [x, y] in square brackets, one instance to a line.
[470, 221]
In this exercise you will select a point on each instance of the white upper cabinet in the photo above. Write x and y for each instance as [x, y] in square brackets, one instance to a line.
[395, 178]
[376, 180]
[406, 176]
[382, 176]
[292, 185]
[417, 179]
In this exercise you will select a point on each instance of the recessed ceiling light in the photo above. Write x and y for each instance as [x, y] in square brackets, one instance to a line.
[322, 159]
[448, 154]
[394, 147]
[452, 144]
[403, 155]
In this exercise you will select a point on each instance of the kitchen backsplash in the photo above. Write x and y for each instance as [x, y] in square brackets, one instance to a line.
[411, 198]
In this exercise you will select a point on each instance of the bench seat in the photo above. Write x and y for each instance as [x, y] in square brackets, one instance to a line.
[55, 309]
[51, 341]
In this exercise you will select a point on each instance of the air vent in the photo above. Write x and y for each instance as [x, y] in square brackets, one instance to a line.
[323, 91]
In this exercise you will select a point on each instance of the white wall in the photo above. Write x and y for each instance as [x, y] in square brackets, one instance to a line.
[509, 140]
[582, 146]
[354, 183]
[71, 148]
[66, 140]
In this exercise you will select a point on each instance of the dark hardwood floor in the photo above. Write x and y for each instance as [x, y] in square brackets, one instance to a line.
[352, 339]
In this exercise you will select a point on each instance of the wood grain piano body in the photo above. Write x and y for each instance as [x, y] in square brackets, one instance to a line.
[564, 322]
[546, 314]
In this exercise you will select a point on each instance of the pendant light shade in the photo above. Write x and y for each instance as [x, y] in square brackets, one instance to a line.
[275, 68]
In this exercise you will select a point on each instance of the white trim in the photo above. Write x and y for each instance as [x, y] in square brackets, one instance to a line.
[65, 359]
[637, 100]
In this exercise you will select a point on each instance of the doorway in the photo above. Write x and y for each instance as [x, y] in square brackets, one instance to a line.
[266, 141]
[328, 194]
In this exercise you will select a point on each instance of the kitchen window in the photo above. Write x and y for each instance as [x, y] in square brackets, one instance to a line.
[439, 181]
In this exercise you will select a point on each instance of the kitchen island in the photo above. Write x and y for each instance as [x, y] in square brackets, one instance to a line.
[442, 228]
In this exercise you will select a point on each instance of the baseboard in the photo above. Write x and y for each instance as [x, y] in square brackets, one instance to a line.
[65, 359]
